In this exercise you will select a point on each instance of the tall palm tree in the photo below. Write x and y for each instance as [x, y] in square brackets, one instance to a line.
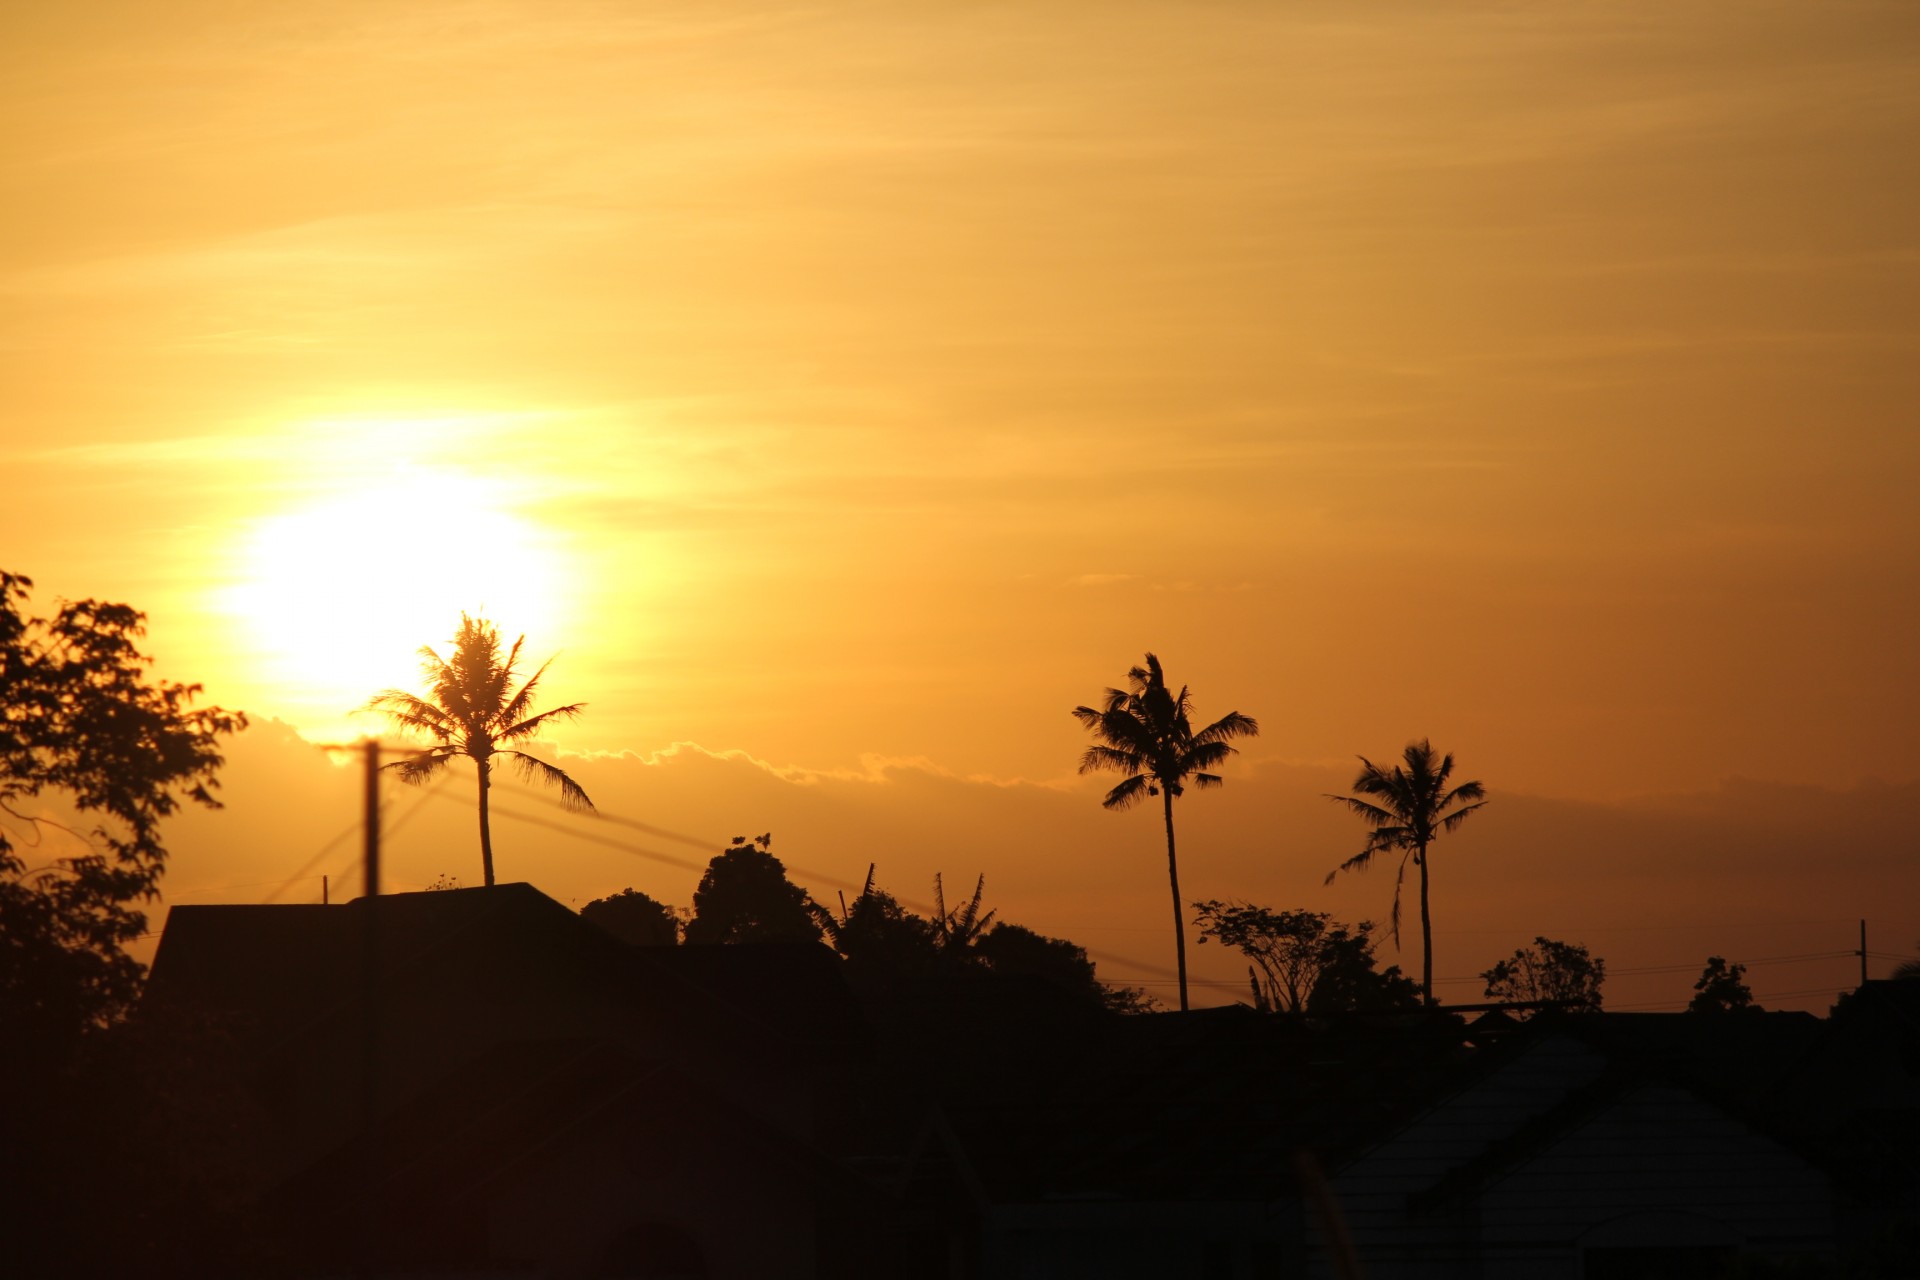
[1144, 732]
[472, 713]
[1414, 806]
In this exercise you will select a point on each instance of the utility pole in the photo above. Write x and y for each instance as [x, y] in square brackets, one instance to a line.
[1863, 953]
[370, 1217]
[372, 749]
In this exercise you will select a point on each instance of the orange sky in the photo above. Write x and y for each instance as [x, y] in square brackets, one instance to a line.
[879, 381]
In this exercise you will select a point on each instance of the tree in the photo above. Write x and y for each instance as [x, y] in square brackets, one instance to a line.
[635, 918]
[1012, 949]
[472, 710]
[878, 936]
[1306, 962]
[1144, 731]
[1907, 971]
[80, 718]
[1409, 807]
[956, 932]
[745, 896]
[1549, 971]
[1350, 981]
[1721, 988]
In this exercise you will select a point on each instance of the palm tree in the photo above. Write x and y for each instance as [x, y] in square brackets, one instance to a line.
[1907, 971]
[471, 712]
[957, 931]
[1414, 807]
[1143, 732]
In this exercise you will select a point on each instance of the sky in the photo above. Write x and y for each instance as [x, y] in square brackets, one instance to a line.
[841, 394]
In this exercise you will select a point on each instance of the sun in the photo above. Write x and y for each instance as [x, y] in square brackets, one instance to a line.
[337, 598]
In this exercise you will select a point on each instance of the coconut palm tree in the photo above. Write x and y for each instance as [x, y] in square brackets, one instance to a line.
[1408, 807]
[1144, 732]
[473, 712]
[1907, 971]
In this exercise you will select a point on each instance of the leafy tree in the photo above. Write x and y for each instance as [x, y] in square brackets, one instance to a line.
[80, 718]
[1305, 962]
[634, 917]
[877, 934]
[1408, 807]
[1145, 732]
[1549, 970]
[745, 896]
[1350, 982]
[957, 931]
[1721, 988]
[473, 710]
[1016, 949]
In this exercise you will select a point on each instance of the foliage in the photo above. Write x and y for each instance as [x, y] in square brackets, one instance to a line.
[745, 896]
[878, 936]
[1907, 971]
[472, 710]
[442, 883]
[1549, 971]
[1305, 962]
[1145, 732]
[1409, 807]
[81, 718]
[1721, 988]
[1351, 982]
[635, 918]
[1011, 949]
[894, 954]
[956, 931]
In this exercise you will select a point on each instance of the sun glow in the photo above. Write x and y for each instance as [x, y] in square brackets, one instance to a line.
[338, 597]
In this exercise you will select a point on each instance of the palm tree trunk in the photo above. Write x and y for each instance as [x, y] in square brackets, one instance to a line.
[1426, 934]
[486, 834]
[1179, 924]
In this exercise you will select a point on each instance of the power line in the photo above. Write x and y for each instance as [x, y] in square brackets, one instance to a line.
[1166, 975]
[665, 833]
[306, 869]
[805, 873]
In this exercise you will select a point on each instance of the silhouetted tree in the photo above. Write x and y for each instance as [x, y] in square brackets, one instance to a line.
[878, 935]
[1306, 962]
[1907, 971]
[745, 896]
[1721, 988]
[1144, 731]
[473, 710]
[1350, 980]
[1012, 949]
[87, 1092]
[1408, 807]
[957, 931]
[1549, 970]
[1284, 946]
[633, 917]
[80, 717]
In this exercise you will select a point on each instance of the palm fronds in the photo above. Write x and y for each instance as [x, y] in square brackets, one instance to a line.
[1407, 807]
[473, 709]
[1145, 731]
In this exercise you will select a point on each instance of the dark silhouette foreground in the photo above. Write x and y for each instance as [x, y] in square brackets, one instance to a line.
[520, 1093]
